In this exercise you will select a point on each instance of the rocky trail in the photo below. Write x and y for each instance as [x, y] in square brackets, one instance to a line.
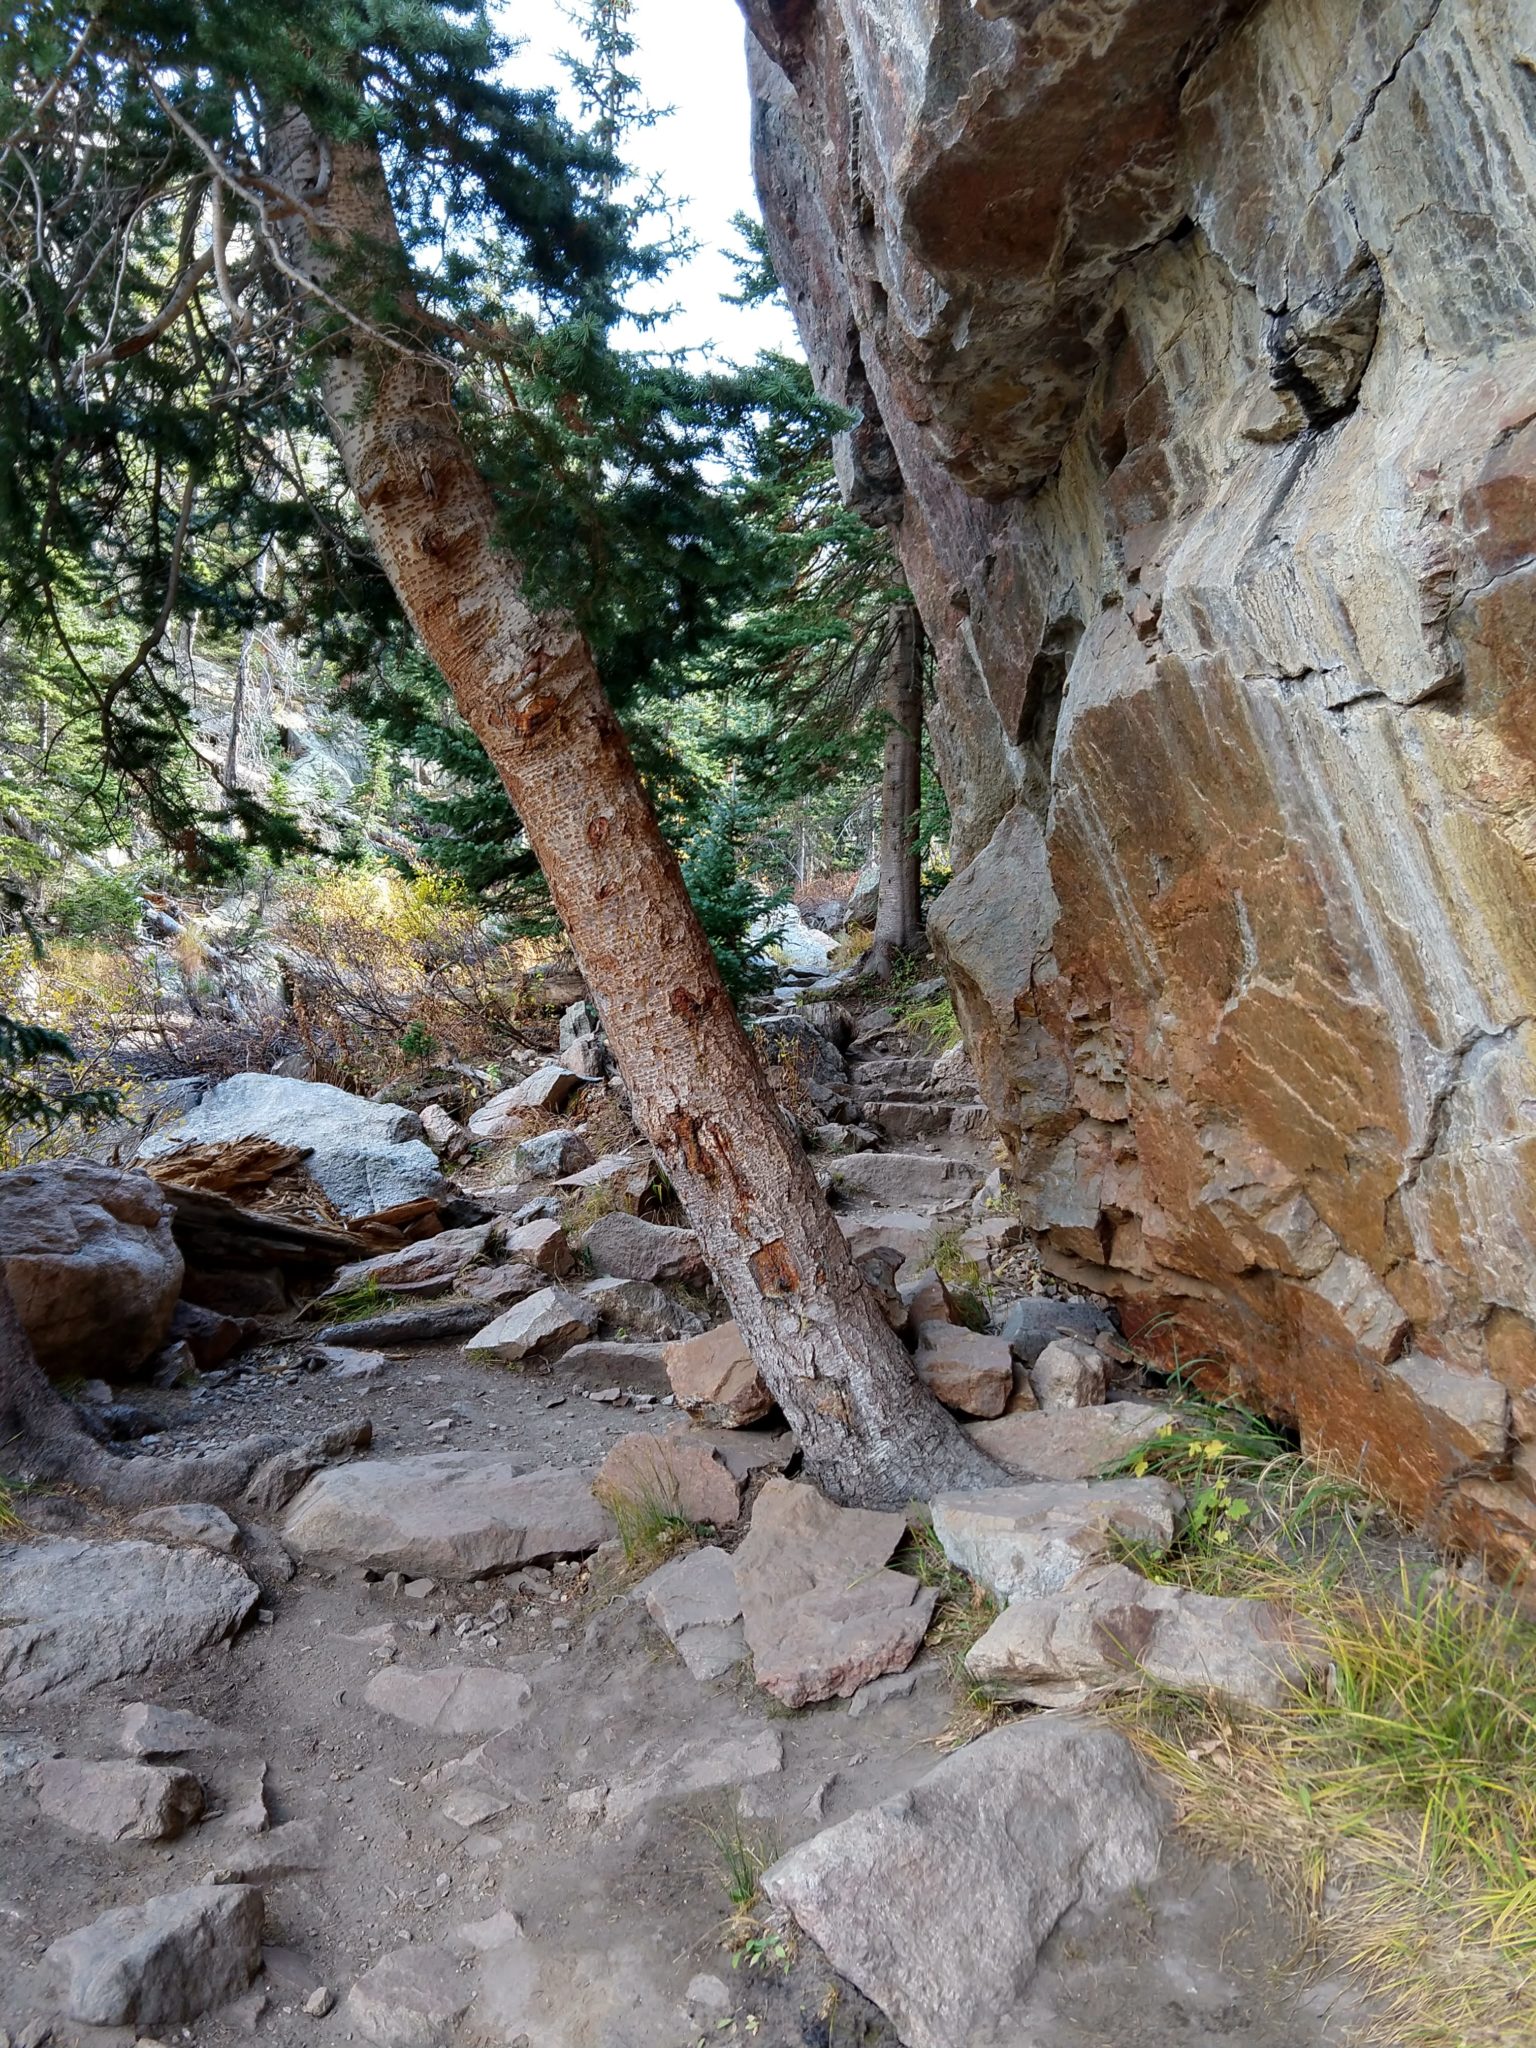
[405, 1749]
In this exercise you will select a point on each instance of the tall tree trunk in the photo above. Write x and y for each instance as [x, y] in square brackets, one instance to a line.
[527, 684]
[899, 915]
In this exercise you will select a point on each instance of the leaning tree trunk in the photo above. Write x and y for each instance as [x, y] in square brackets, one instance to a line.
[899, 916]
[526, 682]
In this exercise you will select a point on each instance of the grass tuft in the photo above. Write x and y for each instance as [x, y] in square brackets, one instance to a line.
[651, 1523]
[965, 1611]
[10, 1521]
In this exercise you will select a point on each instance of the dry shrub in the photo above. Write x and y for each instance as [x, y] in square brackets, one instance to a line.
[386, 973]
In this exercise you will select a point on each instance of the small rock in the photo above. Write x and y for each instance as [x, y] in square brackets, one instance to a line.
[167, 1960]
[541, 1243]
[547, 1322]
[1025, 1542]
[896, 1685]
[709, 1998]
[1068, 1374]
[549, 1154]
[320, 2000]
[669, 1475]
[193, 1522]
[1035, 1321]
[445, 1514]
[119, 1802]
[970, 1373]
[715, 1380]
[78, 1614]
[695, 1603]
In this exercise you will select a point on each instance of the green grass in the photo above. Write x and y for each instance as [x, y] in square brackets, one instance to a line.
[1396, 1809]
[10, 1521]
[964, 1612]
[934, 1022]
[354, 1304]
[650, 1524]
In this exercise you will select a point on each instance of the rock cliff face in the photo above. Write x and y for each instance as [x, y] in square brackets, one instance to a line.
[1194, 351]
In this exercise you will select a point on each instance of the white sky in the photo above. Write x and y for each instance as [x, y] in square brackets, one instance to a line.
[690, 57]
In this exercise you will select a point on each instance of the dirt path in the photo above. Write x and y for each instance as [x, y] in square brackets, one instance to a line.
[601, 1819]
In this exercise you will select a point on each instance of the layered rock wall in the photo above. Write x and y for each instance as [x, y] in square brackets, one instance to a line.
[1194, 353]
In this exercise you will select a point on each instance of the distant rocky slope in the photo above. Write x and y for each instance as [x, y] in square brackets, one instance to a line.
[1195, 354]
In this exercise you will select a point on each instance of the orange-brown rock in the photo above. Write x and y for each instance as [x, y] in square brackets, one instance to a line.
[715, 1380]
[1194, 356]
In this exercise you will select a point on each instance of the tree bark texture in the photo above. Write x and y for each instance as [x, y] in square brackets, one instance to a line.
[899, 915]
[527, 684]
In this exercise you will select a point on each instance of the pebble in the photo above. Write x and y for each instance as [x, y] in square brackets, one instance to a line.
[320, 2001]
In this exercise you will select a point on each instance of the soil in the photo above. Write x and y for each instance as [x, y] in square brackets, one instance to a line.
[620, 1918]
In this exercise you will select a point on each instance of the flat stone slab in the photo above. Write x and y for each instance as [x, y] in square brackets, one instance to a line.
[936, 1903]
[704, 1765]
[1111, 1629]
[1036, 1320]
[629, 1248]
[1073, 1443]
[1026, 1542]
[445, 1515]
[904, 1180]
[822, 1615]
[457, 1700]
[694, 1601]
[410, 1999]
[168, 1960]
[75, 1614]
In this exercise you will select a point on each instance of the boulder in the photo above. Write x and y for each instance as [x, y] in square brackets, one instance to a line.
[118, 1802]
[1074, 1443]
[442, 1257]
[1036, 1320]
[1110, 1629]
[445, 1515]
[547, 1322]
[165, 1961]
[606, 1362]
[694, 1601]
[903, 1230]
[364, 1156]
[1024, 1542]
[549, 1154]
[187, 1522]
[715, 1380]
[864, 900]
[971, 1373]
[879, 1266]
[1068, 1374]
[629, 1248]
[92, 1267]
[208, 1335]
[460, 1700]
[671, 1474]
[937, 1902]
[498, 1287]
[444, 1133]
[821, 1614]
[78, 1614]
